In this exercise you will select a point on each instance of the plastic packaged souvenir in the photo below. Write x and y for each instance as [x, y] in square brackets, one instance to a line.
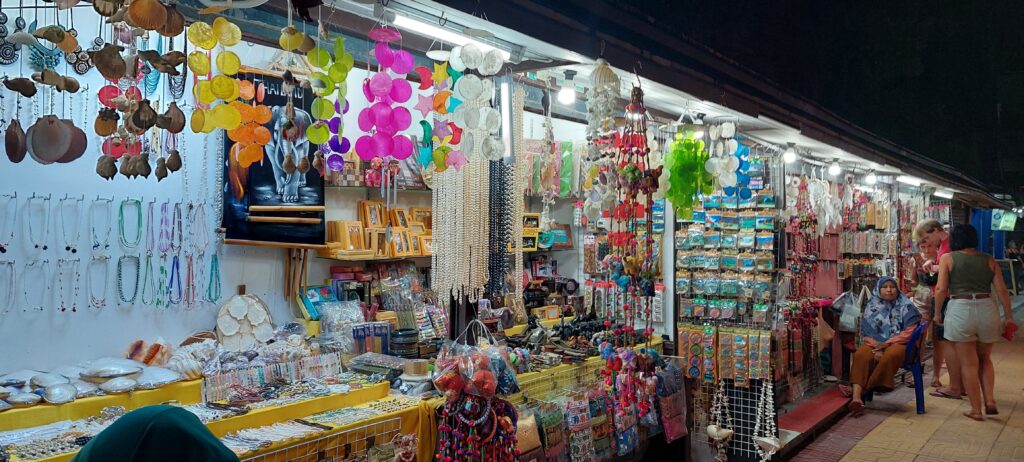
[746, 285]
[729, 260]
[686, 307]
[709, 372]
[730, 285]
[745, 240]
[696, 260]
[746, 199]
[712, 239]
[764, 241]
[682, 259]
[731, 202]
[747, 221]
[765, 261]
[753, 354]
[682, 240]
[713, 219]
[729, 241]
[712, 260]
[766, 199]
[747, 262]
[699, 215]
[699, 306]
[682, 282]
[725, 364]
[760, 314]
[730, 220]
[696, 236]
[762, 287]
[728, 308]
[712, 201]
[740, 367]
[764, 221]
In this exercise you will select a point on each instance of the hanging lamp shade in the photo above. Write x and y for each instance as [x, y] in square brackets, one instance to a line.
[603, 77]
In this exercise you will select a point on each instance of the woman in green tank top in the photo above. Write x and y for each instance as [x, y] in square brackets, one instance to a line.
[971, 279]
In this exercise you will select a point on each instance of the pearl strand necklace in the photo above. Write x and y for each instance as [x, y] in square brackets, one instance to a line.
[62, 287]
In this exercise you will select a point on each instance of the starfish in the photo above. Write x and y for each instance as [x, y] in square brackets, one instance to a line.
[440, 73]
[425, 104]
[456, 159]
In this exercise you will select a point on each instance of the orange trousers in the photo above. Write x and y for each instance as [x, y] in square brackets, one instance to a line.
[874, 375]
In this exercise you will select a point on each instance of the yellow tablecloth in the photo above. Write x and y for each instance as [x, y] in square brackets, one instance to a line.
[184, 392]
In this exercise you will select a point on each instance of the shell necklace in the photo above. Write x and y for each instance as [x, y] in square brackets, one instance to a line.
[70, 243]
[127, 300]
[720, 430]
[765, 438]
[32, 234]
[10, 209]
[73, 277]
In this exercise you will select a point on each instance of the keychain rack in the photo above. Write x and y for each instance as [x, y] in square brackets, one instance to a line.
[350, 444]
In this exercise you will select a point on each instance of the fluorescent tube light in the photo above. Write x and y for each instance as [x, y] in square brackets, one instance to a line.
[909, 180]
[943, 193]
[446, 35]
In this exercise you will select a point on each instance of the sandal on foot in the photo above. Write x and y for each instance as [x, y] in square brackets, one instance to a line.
[936, 384]
[944, 393]
[845, 390]
[970, 415]
[856, 408]
[991, 410]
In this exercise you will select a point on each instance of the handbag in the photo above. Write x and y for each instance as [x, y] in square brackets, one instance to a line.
[849, 308]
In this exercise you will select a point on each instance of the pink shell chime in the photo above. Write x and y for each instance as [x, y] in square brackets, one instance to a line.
[382, 120]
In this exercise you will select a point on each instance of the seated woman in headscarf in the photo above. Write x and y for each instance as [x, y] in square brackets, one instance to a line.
[888, 321]
[156, 434]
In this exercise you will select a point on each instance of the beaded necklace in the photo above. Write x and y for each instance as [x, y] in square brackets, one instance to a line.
[199, 234]
[175, 276]
[62, 265]
[70, 244]
[189, 299]
[43, 268]
[32, 234]
[766, 441]
[176, 232]
[213, 285]
[165, 229]
[10, 209]
[98, 301]
[130, 244]
[126, 300]
[102, 204]
[162, 290]
[11, 282]
[148, 284]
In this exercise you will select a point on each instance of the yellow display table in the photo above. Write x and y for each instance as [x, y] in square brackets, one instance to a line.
[549, 323]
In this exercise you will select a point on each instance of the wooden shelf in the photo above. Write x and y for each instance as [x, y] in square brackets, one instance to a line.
[326, 254]
[358, 188]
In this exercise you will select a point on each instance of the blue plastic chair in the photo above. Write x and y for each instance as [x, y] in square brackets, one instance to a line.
[911, 363]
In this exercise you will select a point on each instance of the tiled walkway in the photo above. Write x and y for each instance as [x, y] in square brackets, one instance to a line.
[890, 430]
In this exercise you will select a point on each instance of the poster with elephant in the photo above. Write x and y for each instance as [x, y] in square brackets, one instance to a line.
[259, 191]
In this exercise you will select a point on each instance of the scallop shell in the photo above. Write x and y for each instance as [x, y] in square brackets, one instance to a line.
[51, 33]
[5, 392]
[147, 14]
[109, 62]
[175, 23]
[24, 399]
[14, 142]
[175, 118]
[161, 169]
[257, 315]
[142, 167]
[264, 332]
[144, 116]
[85, 389]
[105, 167]
[728, 130]
[768, 444]
[118, 385]
[60, 394]
[107, 8]
[126, 168]
[307, 43]
[227, 325]
[106, 122]
[174, 161]
[50, 139]
[78, 144]
[4, 405]
[238, 308]
[48, 380]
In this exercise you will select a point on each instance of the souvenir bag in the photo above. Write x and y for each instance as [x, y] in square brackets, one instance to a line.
[552, 422]
[672, 402]
[480, 370]
[527, 434]
[626, 437]
[581, 437]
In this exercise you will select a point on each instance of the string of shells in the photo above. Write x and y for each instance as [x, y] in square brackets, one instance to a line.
[128, 121]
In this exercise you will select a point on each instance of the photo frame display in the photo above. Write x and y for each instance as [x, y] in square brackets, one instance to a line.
[422, 215]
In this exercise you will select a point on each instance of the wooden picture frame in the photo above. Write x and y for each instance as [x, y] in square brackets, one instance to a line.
[415, 247]
[418, 228]
[377, 240]
[399, 218]
[352, 235]
[531, 239]
[426, 244]
[531, 221]
[372, 214]
[399, 242]
[422, 215]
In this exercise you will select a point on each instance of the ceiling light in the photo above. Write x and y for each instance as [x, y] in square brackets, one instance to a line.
[909, 180]
[834, 169]
[789, 155]
[446, 35]
[943, 193]
[567, 95]
[871, 178]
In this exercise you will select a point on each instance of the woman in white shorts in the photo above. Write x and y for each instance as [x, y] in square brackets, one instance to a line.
[972, 320]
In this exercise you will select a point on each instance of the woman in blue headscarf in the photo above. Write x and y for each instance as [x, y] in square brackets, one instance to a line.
[889, 319]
